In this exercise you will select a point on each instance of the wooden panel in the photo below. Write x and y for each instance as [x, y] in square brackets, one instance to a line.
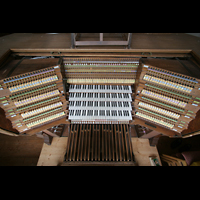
[29, 65]
[101, 50]
[7, 67]
[20, 151]
[174, 66]
[5, 56]
[104, 52]
[6, 123]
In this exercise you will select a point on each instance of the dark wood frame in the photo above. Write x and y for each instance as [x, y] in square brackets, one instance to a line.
[101, 53]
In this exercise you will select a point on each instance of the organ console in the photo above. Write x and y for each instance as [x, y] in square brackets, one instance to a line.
[166, 95]
[101, 99]
[100, 108]
[100, 92]
[33, 99]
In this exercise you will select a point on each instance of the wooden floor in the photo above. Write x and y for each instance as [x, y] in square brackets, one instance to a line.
[53, 155]
[142, 151]
[31, 150]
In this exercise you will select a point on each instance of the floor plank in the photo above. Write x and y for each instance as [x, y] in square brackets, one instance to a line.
[53, 155]
[142, 150]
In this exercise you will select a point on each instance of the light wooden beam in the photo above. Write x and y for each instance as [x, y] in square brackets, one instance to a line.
[50, 133]
[8, 132]
[150, 134]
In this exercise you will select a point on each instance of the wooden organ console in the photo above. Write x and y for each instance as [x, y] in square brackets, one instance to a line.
[100, 109]
[99, 101]
[166, 94]
[93, 99]
[33, 99]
